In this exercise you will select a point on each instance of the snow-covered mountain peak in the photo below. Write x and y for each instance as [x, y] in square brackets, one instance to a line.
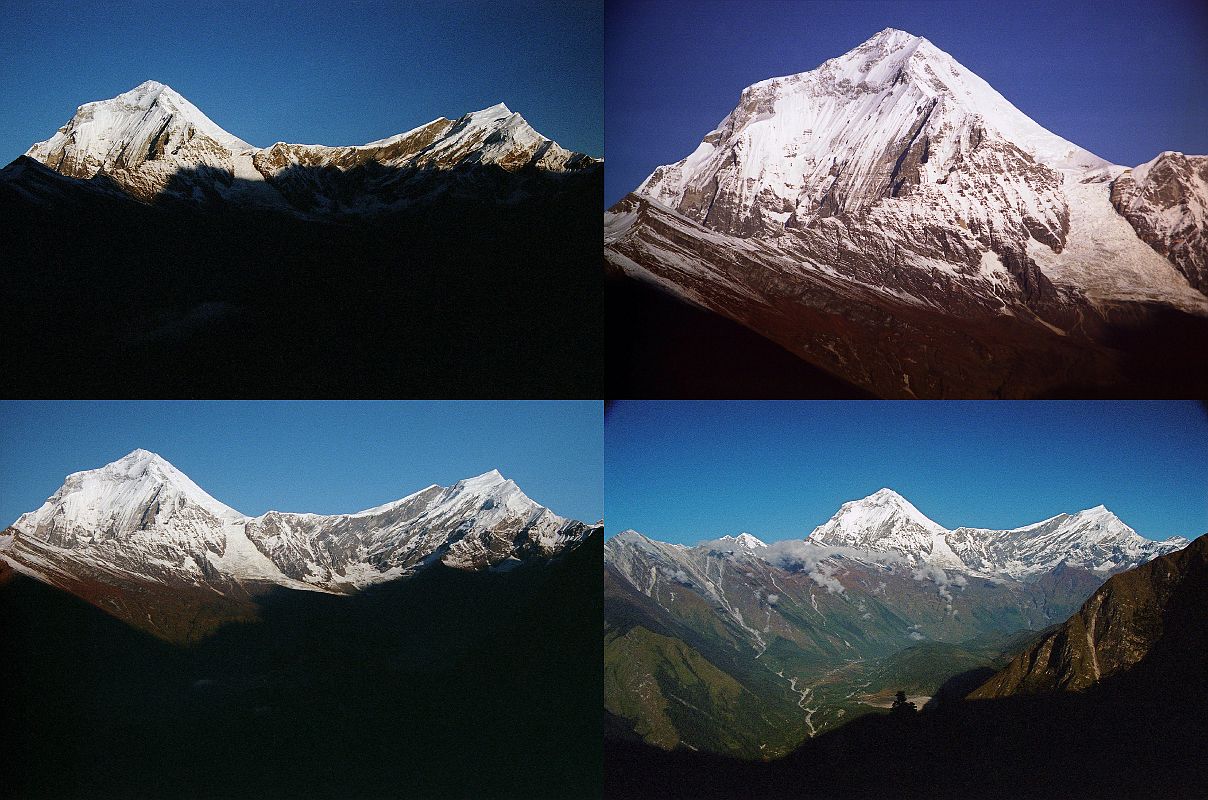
[743, 540]
[901, 67]
[883, 496]
[135, 457]
[489, 482]
[868, 126]
[891, 36]
[138, 476]
[496, 135]
[885, 522]
[140, 497]
[151, 143]
[140, 518]
[145, 94]
[878, 60]
[149, 123]
[151, 94]
[1094, 539]
[143, 465]
[494, 113]
[487, 501]
[883, 507]
[1101, 520]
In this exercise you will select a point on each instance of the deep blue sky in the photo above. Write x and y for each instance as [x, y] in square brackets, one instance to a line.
[1125, 80]
[309, 72]
[685, 472]
[326, 458]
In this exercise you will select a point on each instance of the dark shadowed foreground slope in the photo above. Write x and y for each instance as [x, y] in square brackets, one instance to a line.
[452, 684]
[455, 296]
[660, 346]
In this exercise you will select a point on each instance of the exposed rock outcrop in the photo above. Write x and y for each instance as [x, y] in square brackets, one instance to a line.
[1166, 201]
[1155, 610]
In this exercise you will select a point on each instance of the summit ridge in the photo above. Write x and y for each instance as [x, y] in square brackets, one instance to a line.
[152, 142]
[140, 517]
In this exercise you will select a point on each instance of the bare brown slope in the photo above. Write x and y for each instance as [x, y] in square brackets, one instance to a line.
[1153, 612]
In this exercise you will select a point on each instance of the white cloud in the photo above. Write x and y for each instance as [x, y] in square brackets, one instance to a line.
[820, 563]
[677, 575]
[799, 554]
[824, 576]
[942, 580]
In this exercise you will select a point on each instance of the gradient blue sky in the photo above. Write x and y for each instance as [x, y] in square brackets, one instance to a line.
[308, 72]
[684, 472]
[321, 457]
[1125, 80]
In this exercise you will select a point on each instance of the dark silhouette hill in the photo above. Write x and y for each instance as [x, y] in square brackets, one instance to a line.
[661, 346]
[452, 684]
[473, 282]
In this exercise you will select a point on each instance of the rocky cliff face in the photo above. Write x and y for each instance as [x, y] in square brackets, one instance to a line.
[154, 144]
[1166, 201]
[1154, 610]
[893, 219]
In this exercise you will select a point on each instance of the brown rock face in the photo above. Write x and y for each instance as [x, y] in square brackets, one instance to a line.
[1155, 610]
[958, 345]
[170, 609]
[1168, 208]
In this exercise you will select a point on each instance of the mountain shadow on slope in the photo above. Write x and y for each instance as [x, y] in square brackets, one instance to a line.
[1117, 741]
[451, 684]
[488, 288]
[660, 346]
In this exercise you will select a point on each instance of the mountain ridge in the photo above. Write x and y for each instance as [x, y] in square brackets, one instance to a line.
[154, 144]
[885, 522]
[139, 528]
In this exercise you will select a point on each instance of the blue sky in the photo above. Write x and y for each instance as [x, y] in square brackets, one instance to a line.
[308, 72]
[685, 472]
[321, 457]
[1124, 80]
